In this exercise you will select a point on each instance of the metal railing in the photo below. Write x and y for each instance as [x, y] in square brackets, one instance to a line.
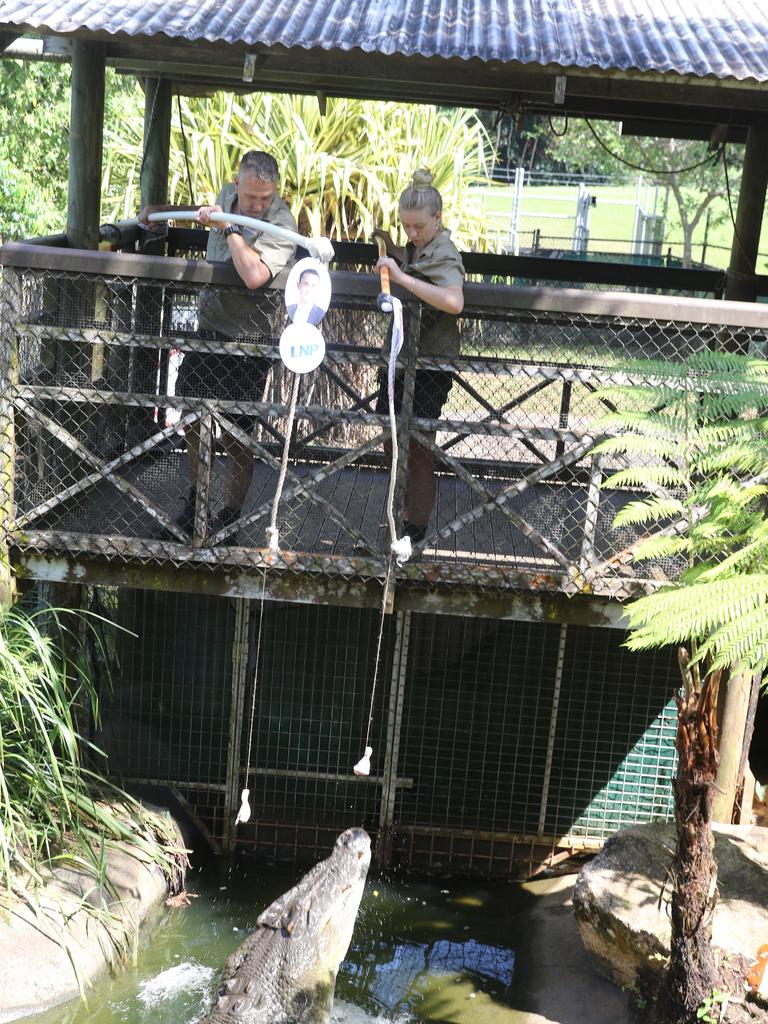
[98, 418]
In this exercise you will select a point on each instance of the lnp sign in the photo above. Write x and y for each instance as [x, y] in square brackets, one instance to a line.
[302, 347]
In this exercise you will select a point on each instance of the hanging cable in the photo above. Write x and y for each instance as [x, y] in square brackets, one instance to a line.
[273, 536]
[184, 144]
[557, 134]
[710, 158]
[244, 811]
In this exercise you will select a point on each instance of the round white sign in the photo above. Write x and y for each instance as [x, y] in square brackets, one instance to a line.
[302, 347]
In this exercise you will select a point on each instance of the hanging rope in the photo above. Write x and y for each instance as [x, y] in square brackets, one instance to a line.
[273, 537]
[363, 766]
[244, 813]
[400, 548]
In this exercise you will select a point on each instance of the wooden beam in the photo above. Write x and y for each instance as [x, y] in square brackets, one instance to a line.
[85, 145]
[157, 140]
[741, 284]
[693, 128]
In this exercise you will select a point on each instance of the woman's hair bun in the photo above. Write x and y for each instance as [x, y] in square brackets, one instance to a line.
[422, 179]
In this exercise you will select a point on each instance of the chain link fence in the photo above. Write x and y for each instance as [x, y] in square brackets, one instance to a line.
[130, 434]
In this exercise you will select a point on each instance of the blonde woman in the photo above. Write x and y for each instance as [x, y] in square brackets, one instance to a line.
[429, 267]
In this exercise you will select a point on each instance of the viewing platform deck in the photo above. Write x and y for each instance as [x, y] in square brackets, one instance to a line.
[95, 436]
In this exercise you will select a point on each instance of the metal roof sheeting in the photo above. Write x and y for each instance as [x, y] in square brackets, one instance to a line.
[724, 38]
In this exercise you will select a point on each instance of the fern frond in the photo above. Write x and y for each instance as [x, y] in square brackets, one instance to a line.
[655, 509]
[680, 614]
[662, 545]
[647, 476]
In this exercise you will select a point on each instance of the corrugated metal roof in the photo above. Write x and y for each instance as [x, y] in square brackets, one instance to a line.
[725, 38]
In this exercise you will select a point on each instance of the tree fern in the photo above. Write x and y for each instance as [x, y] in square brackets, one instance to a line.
[694, 435]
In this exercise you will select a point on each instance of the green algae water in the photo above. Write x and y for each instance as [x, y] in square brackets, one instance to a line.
[421, 952]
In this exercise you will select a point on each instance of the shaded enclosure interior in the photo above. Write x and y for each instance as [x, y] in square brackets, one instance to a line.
[489, 735]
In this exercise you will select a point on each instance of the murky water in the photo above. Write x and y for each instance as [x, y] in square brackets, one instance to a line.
[420, 952]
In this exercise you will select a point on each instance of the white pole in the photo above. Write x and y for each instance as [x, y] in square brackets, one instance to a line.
[320, 248]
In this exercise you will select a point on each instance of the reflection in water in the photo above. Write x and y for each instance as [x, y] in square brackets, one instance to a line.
[392, 981]
[419, 953]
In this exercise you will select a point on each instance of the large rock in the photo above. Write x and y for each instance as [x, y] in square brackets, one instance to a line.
[621, 898]
[62, 939]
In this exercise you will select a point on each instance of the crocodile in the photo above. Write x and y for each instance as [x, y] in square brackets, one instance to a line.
[285, 971]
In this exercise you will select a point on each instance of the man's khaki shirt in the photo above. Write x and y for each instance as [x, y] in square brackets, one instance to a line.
[241, 313]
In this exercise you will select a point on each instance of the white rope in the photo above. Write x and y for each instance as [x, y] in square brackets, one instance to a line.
[273, 536]
[273, 539]
[320, 248]
[244, 813]
[363, 766]
[401, 547]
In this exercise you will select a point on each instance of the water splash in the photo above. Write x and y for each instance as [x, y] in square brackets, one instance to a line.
[178, 980]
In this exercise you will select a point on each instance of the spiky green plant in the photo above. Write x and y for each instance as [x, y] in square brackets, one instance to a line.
[342, 171]
[54, 808]
[695, 437]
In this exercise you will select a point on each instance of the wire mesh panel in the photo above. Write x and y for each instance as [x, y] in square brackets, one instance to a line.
[486, 733]
[614, 754]
[165, 712]
[309, 702]
[140, 434]
[526, 731]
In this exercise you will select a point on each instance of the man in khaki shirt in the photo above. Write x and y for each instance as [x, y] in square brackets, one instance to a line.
[258, 258]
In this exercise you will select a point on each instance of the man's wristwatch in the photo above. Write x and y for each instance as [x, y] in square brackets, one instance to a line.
[233, 229]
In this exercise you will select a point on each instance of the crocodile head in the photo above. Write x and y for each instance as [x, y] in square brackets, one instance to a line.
[285, 971]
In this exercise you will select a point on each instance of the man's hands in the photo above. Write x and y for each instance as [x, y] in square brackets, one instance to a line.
[204, 217]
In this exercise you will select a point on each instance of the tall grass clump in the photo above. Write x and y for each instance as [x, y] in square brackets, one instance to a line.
[54, 807]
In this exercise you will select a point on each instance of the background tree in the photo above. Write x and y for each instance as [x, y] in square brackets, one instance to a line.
[695, 438]
[34, 141]
[566, 145]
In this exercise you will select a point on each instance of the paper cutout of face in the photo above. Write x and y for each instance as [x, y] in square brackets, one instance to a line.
[308, 291]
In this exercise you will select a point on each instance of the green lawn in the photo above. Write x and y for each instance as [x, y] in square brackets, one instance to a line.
[551, 209]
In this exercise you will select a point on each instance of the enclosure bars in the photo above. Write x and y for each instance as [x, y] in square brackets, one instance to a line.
[552, 728]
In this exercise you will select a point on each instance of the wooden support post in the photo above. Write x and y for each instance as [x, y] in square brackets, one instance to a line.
[86, 135]
[149, 300]
[749, 217]
[157, 140]
[732, 735]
